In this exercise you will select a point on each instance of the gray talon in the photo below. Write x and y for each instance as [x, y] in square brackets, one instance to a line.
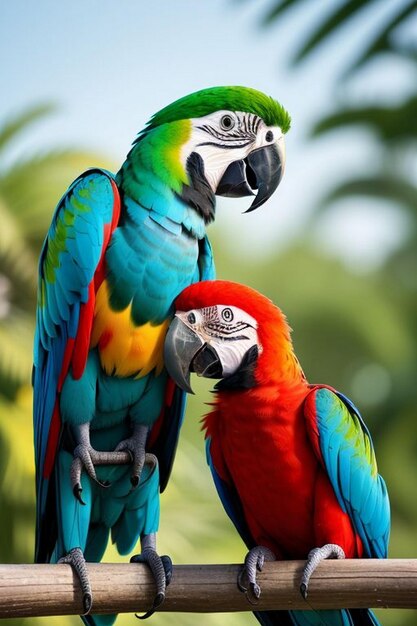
[77, 491]
[75, 558]
[161, 568]
[87, 603]
[256, 590]
[104, 485]
[254, 561]
[135, 446]
[167, 563]
[159, 598]
[86, 457]
[316, 556]
[303, 590]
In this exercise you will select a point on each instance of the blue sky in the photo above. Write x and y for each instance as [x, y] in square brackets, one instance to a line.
[110, 65]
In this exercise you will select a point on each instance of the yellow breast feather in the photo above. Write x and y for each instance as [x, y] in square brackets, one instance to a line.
[126, 349]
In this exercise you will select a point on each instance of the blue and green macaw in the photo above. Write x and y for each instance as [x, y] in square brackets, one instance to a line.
[119, 250]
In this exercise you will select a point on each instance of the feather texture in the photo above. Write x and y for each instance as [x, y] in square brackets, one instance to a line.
[293, 463]
[119, 251]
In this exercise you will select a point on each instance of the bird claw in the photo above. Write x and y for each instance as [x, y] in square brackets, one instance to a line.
[137, 454]
[161, 568]
[77, 491]
[75, 558]
[254, 561]
[316, 556]
[159, 598]
[85, 457]
[304, 590]
[167, 564]
[87, 603]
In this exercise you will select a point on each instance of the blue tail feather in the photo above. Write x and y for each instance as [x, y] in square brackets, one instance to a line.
[345, 617]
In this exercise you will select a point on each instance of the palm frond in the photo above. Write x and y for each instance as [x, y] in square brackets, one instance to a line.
[16, 338]
[390, 123]
[21, 122]
[328, 27]
[32, 188]
[332, 22]
[385, 42]
[29, 191]
[17, 260]
[400, 191]
[278, 9]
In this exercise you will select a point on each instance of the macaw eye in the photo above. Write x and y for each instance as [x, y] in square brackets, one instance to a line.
[227, 122]
[227, 315]
[191, 318]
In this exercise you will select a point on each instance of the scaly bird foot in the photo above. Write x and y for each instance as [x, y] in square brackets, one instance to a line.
[75, 558]
[315, 556]
[161, 568]
[135, 445]
[86, 457]
[254, 561]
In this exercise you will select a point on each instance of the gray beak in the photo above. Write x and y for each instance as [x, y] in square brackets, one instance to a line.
[181, 346]
[262, 170]
[186, 352]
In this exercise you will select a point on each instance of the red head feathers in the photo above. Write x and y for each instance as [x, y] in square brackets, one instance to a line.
[277, 361]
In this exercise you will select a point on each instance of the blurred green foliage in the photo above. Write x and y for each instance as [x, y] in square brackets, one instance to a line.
[355, 332]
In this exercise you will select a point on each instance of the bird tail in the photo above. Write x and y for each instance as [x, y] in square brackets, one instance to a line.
[344, 617]
[364, 617]
[274, 618]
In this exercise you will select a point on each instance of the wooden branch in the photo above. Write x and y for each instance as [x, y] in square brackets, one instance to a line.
[35, 590]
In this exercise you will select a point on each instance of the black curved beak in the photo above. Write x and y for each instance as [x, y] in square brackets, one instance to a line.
[261, 170]
[186, 352]
[233, 183]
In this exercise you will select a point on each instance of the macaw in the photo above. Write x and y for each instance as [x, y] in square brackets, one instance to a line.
[119, 250]
[293, 462]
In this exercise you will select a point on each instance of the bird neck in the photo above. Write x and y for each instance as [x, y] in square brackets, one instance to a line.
[278, 365]
[156, 173]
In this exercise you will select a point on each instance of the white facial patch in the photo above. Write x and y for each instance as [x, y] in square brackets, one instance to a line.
[224, 137]
[228, 329]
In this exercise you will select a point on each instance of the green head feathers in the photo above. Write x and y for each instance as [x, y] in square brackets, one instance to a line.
[213, 99]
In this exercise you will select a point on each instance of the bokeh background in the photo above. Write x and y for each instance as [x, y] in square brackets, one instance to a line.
[335, 247]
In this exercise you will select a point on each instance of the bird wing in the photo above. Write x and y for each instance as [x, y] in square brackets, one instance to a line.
[70, 271]
[227, 491]
[343, 445]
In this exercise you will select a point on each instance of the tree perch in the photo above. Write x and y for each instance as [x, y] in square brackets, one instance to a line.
[37, 590]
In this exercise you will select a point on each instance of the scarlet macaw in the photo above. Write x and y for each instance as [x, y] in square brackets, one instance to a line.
[293, 463]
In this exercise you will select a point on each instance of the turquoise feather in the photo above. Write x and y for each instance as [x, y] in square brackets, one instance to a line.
[149, 261]
[147, 255]
[349, 458]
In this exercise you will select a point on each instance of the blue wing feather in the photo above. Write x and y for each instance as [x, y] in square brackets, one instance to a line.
[230, 500]
[348, 456]
[68, 262]
[165, 445]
